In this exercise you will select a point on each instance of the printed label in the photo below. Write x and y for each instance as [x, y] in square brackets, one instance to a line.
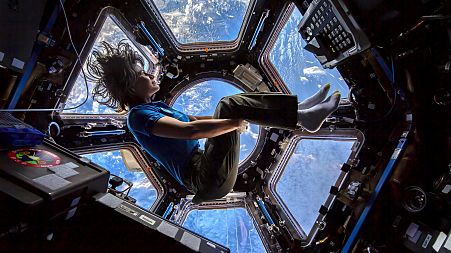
[426, 241]
[147, 219]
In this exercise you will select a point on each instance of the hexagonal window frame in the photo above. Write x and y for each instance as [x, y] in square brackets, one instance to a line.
[200, 46]
[230, 201]
[139, 160]
[305, 87]
[324, 134]
[112, 16]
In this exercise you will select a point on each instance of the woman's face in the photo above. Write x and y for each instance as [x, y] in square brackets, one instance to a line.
[146, 86]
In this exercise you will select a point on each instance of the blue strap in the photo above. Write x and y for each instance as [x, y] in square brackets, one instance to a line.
[37, 48]
[385, 176]
[168, 210]
[265, 212]
[154, 43]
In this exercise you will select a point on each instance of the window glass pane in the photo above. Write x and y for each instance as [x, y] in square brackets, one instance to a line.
[142, 190]
[312, 169]
[299, 69]
[201, 100]
[230, 227]
[112, 34]
[203, 20]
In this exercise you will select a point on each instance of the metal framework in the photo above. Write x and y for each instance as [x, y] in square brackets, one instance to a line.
[283, 158]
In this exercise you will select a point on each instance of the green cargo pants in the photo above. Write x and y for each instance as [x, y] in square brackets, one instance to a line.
[213, 172]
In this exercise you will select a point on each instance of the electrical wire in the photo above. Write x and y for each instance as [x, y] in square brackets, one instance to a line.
[82, 70]
[78, 58]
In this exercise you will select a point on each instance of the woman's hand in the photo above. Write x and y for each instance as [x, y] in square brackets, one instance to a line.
[243, 126]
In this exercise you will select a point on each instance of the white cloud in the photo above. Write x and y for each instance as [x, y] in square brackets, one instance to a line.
[115, 157]
[315, 70]
[196, 100]
[310, 157]
[142, 184]
[252, 134]
[160, 4]
[197, 7]
[304, 79]
[95, 107]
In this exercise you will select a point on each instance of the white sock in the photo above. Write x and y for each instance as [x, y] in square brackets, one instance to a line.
[315, 99]
[312, 119]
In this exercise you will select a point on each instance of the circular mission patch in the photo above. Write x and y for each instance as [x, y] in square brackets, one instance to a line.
[34, 157]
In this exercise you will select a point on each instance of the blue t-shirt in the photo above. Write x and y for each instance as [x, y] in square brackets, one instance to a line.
[172, 154]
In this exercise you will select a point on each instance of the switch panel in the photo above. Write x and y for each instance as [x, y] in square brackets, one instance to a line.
[331, 32]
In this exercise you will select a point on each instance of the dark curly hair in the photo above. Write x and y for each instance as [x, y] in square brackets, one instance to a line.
[113, 70]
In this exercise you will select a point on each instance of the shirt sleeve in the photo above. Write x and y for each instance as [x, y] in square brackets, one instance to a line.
[142, 121]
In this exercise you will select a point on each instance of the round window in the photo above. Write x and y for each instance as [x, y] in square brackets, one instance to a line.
[201, 100]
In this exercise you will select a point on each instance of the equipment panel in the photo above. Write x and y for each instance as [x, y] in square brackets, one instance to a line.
[44, 183]
[331, 32]
[51, 170]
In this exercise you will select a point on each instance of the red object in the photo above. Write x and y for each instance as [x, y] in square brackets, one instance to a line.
[34, 157]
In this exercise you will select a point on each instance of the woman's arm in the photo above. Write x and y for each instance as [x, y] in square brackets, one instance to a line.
[205, 128]
[194, 118]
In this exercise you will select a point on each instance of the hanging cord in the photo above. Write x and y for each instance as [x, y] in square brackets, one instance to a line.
[395, 95]
[82, 70]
